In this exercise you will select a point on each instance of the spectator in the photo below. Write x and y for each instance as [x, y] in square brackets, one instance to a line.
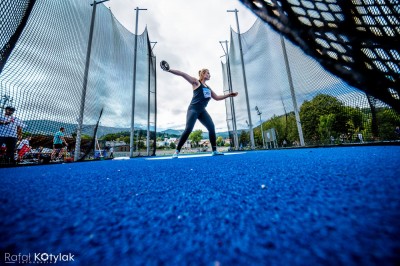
[342, 137]
[10, 132]
[23, 147]
[58, 144]
[360, 137]
[111, 152]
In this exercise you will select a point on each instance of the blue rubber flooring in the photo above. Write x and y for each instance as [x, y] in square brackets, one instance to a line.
[323, 206]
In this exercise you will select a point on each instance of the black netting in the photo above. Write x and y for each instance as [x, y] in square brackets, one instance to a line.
[13, 16]
[356, 40]
[44, 75]
[302, 102]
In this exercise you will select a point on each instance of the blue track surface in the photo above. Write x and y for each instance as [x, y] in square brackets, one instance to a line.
[325, 206]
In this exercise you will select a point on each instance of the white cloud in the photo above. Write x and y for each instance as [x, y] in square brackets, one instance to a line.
[187, 33]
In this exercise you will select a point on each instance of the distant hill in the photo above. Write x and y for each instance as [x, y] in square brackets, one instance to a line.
[225, 135]
[48, 127]
[172, 132]
[177, 133]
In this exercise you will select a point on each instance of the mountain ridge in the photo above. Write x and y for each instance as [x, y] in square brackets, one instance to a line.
[49, 127]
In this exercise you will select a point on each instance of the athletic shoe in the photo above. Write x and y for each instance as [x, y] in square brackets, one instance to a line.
[175, 155]
[215, 153]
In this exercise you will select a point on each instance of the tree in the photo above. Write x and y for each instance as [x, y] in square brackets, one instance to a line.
[354, 121]
[388, 119]
[292, 131]
[172, 145]
[325, 126]
[320, 105]
[116, 136]
[220, 141]
[244, 138]
[126, 139]
[196, 136]
[85, 136]
[285, 126]
[258, 136]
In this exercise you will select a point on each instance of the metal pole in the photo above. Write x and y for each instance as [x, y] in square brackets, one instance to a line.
[148, 100]
[155, 110]
[262, 133]
[85, 81]
[148, 108]
[138, 140]
[296, 110]
[132, 143]
[248, 125]
[244, 78]
[232, 102]
[236, 139]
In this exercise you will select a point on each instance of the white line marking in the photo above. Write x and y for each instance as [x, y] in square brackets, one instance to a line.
[122, 158]
[192, 156]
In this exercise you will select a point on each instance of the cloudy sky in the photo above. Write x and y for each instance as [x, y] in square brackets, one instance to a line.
[188, 35]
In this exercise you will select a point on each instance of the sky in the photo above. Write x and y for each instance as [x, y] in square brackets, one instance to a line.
[188, 35]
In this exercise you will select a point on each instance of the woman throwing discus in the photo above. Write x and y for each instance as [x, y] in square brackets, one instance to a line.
[202, 94]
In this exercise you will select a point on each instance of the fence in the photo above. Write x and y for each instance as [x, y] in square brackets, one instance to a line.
[56, 76]
[306, 104]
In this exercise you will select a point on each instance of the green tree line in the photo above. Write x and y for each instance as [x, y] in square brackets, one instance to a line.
[326, 120]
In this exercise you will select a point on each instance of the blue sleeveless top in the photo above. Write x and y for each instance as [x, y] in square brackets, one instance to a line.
[201, 96]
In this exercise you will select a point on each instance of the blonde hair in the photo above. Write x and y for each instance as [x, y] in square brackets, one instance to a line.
[202, 72]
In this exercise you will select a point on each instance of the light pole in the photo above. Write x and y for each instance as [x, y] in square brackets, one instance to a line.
[244, 78]
[85, 81]
[262, 133]
[132, 144]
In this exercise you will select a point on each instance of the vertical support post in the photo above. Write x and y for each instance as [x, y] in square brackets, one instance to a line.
[244, 79]
[235, 136]
[262, 133]
[148, 99]
[148, 107]
[155, 110]
[85, 81]
[231, 99]
[296, 109]
[132, 136]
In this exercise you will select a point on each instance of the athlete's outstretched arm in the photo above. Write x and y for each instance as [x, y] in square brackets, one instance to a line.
[190, 79]
[223, 97]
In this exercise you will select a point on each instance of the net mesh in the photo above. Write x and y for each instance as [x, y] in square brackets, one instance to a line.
[330, 111]
[13, 17]
[357, 40]
[44, 74]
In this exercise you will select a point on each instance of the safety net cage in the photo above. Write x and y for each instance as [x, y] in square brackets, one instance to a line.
[70, 65]
[317, 73]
